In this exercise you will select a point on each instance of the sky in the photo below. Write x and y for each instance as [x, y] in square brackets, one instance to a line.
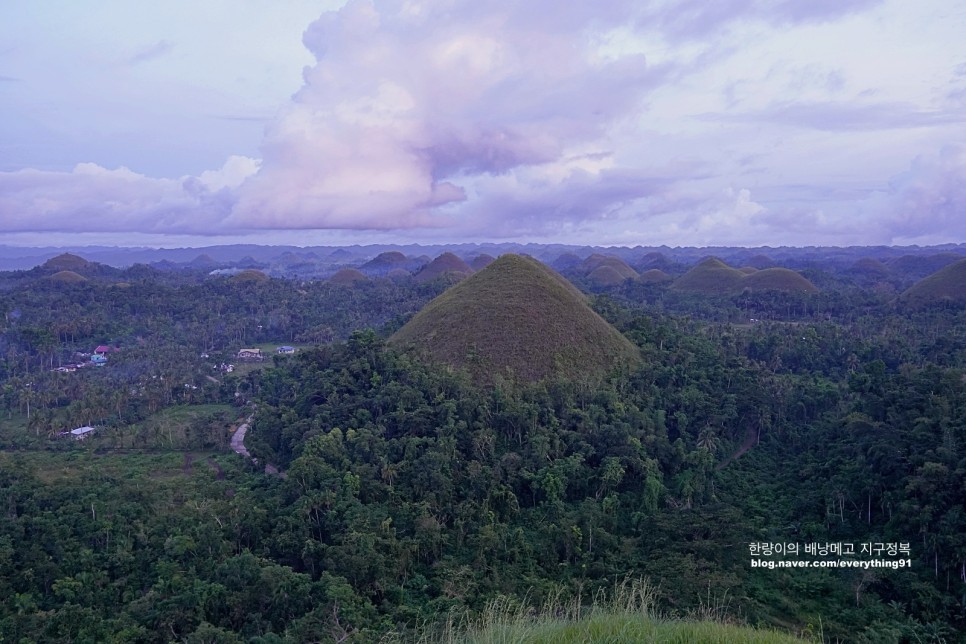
[616, 122]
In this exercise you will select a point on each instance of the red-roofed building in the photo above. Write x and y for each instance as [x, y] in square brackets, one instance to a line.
[102, 349]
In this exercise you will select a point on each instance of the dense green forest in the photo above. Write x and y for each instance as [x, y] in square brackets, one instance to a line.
[409, 492]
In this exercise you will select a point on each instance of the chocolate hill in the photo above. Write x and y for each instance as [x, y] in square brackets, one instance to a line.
[605, 275]
[348, 277]
[777, 279]
[920, 266]
[654, 276]
[653, 260]
[481, 261]
[946, 284]
[68, 267]
[566, 261]
[67, 277]
[616, 264]
[446, 265]
[384, 263]
[249, 276]
[519, 319]
[65, 262]
[712, 276]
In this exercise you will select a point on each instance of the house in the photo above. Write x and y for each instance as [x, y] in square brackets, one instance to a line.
[285, 349]
[103, 349]
[250, 354]
[98, 360]
[81, 432]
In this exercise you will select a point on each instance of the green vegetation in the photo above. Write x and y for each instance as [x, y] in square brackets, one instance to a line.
[178, 427]
[418, 505]
[516, 319]
[628, 615]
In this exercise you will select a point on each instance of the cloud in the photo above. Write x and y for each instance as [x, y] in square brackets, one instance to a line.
[930, 198]
[844, 117]
[95, 199]
[493, 119]
[158, 49]
[698, 19]
[924, 204]
[410, 102]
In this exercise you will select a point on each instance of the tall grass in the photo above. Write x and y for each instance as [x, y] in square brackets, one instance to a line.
[627, 613]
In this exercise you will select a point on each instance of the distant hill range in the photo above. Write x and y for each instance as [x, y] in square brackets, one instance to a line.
[517, 319]
[886, 269]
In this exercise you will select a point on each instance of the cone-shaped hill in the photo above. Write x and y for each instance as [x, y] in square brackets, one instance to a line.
[72, 265]
[605, 276]
[653, 260]
[481, 261]
[516, 317]
[66, 262]
[869, 267]
[654, 276]
[946, 284]
[713, 276]
[202, 261]
[761, 261]
[249, 276]
[348, 277]
[616, 264]
[920, 266]
[383, 263]
[67, 277]
[566, 262]
[777, 279]
[446, 265]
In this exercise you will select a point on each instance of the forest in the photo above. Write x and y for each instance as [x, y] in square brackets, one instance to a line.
[408, 491]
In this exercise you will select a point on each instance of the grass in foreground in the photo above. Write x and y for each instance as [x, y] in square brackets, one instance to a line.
[628, 615]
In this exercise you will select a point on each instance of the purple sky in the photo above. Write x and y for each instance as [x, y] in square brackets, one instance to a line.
[735, 122]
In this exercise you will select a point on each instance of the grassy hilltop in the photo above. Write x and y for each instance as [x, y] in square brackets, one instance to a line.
[516, 317]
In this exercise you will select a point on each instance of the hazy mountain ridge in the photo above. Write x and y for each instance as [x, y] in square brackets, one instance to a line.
[25, 257]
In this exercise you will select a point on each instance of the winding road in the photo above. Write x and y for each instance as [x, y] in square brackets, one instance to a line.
[238, 445]
[238, 440]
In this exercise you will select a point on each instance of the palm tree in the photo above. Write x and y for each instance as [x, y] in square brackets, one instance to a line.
[708, 439]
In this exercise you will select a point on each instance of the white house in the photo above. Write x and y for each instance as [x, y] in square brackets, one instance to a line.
[81, 432]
